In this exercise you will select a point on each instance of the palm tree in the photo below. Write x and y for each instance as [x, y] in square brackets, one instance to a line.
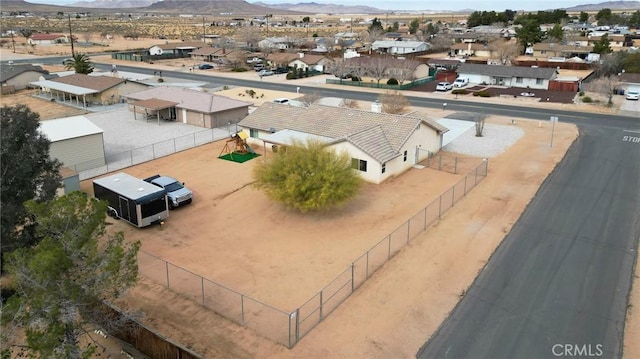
[80, 63]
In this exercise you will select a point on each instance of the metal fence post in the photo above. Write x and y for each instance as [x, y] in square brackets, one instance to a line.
[453, 195]
[321, 314]
[166, 265]
[131, 156]
[242, 308]
[455, 166]
[475, 180]
[389, 252]
[202, 283]
[367, 270]
[408, 229]
[352, 279]
[465, 185]
[440, 208]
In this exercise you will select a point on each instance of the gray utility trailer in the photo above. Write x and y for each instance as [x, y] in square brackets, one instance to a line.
[132, 199]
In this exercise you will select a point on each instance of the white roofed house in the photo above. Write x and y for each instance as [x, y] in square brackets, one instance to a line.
[513, 76]
[380, 145]
[312, 62]
[75, 141]
[277, 43]
[176, 48]
[399, 47]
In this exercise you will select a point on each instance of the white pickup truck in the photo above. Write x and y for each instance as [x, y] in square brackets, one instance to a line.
[177, 193]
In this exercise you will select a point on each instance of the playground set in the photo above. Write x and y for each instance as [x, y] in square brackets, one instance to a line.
[237, 149]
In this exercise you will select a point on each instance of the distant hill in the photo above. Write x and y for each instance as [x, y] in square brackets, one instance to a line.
[613, 5]
[239, 7]
[113, 4]
[315, 8]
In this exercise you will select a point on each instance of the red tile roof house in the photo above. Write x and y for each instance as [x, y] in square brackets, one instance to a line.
[47, 39]
[187, 106]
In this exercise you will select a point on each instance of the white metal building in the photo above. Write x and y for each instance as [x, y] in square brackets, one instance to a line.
[75, 141]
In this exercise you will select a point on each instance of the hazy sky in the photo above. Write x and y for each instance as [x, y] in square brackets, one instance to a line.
[497, 5]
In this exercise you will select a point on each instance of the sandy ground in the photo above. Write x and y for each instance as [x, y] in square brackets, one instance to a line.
[283, 258]
[632, 327]
[46, 109]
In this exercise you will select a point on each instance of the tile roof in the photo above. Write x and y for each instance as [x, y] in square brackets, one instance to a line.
[46, 36]
[98, 83]
[193, 100]
[380, 135]
[281, 57]
[507, 71]
[549, 46]
[311, 59]
[8, 72]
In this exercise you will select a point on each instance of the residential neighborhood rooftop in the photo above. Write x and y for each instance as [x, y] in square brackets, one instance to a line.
[195, 100]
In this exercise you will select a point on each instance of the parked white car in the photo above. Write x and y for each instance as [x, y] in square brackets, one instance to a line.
[461, 82]
[633, 95]
[444, 86]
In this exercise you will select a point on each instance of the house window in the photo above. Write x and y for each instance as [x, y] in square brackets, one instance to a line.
[405, 156]
[384, 167]
[360, 165]
[538, 81]
[253, 133]
[518, 80]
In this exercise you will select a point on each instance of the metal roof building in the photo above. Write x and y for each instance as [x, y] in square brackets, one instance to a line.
[75, 141]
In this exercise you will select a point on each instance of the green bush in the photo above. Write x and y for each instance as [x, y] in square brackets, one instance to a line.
[581, 93]
[356, 78]
[239, 69]
[392, 81]
[587, 99]
[482, 93]
[291, 75]
[460, 92]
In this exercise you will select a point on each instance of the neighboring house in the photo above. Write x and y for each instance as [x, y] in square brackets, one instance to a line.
[281, 59]
[19, 76]
[467, 49]
[312, 62]
[513, 76]
[345, 36]
[47, 39]
[399, 47]
[84, 90]
[380, 145]
[630, 81]
[616, 42]
[176, 48]
[211, 54]
[75, 141]
[550, 49]
[276, 43]
[187, 106]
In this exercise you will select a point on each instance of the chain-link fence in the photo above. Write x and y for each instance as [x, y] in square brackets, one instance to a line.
[118, 161]
[287, 328]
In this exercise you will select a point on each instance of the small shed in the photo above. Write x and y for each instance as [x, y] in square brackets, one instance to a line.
[75, 141]
[70, 181]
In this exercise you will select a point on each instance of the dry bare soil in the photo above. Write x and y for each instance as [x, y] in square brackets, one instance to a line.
[234, 235]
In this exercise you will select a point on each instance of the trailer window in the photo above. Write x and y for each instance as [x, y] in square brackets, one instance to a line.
[154, 207]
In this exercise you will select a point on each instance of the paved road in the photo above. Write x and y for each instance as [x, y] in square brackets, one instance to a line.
[563, 273]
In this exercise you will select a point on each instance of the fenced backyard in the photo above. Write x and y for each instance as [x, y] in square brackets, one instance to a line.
[288, 327]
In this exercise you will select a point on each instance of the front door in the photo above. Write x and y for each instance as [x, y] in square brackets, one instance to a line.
[124, 209]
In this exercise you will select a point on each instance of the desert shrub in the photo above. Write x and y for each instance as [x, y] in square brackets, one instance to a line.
[482, 93]
[291, 75]
[581, 93]
[160, 79]
[355, 78]
[239, 69]
[460, 92]
[587, 99]
[392, 81]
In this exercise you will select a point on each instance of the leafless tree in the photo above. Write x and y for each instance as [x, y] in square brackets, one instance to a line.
[604, 85]
[441, 42]
[504, 51]
[373, 35]
[393, 102]
[349, 103]
[235, 58]
[403, 70]
[250, 35]
[86, 36]
[378, 67]
[310, 98]
[339, 67]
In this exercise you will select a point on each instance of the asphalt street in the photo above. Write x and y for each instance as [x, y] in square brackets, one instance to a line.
[559, 282]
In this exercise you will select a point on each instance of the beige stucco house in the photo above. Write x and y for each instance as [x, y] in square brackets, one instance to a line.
[380, 145]
[187, 106]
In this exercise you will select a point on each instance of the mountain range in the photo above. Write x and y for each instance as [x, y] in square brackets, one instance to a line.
[243, 7]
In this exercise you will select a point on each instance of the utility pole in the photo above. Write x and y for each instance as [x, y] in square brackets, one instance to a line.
[13, 42]
[73, 53]
[204, 31]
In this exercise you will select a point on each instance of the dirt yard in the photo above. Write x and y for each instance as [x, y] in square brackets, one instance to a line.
[46, 109]
[234, 235]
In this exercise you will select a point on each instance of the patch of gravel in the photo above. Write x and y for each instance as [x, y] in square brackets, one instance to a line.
[495, 140]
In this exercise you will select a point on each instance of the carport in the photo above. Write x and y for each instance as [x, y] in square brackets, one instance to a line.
[61, 90]
[152, 104]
